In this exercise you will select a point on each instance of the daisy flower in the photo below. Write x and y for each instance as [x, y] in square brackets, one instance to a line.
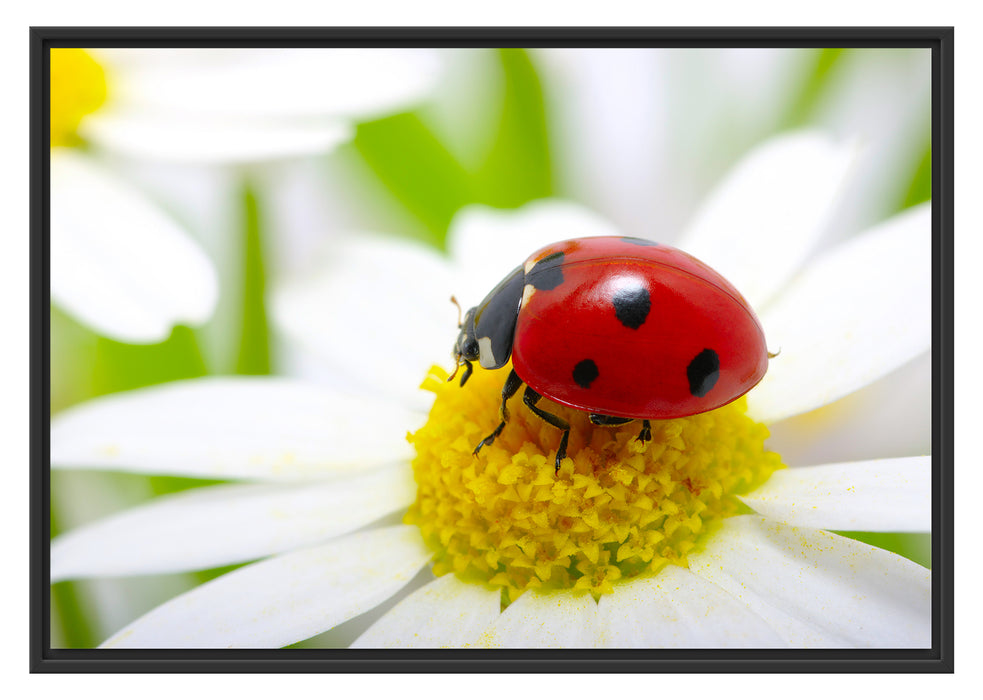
[699, 538]
[119, 263]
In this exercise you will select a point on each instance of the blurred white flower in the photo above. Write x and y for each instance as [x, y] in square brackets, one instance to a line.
[121, 264]
[327, 465]
[692, 113]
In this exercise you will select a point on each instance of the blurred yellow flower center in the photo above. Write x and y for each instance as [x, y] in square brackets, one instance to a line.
[78, 87]
[617, 508]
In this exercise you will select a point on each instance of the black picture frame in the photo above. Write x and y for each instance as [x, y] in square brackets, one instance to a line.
[937, 659]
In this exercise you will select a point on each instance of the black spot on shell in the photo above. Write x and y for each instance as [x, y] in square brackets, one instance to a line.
[585, 373]
[703, 372]
[638, 241]
[632, 305]
[547, 273]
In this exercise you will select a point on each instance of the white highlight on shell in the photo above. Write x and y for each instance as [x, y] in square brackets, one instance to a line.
[527, 293]
[486, 356]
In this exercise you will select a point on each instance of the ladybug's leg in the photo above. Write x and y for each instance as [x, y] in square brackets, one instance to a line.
[467, 372]
[530, 397]
[512, 385]
[643, 436]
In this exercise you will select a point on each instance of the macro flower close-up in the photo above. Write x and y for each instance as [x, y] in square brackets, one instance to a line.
[372, 348]
[359, 496]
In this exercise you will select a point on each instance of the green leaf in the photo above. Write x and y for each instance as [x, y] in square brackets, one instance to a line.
[416, 168]
[916, 547]
[813, 87]
[122, 366]
[427, 179]
[517, 168]
[920, 189]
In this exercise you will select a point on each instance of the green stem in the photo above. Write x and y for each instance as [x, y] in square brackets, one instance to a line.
[254, 354]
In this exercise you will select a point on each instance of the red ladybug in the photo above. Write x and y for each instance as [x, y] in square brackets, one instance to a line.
[623, 328]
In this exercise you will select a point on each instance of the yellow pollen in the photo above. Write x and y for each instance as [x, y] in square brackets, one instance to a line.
[78, 87]
[617, 508]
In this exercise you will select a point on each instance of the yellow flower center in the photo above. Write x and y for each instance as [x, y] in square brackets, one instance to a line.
[78, 87]
[617, 508]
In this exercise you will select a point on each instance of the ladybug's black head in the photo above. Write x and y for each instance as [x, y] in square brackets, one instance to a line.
[466, 349]
[466, 346]
[487, 331]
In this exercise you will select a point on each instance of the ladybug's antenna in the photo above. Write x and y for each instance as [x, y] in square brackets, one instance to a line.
[454, 301]
[772, 355]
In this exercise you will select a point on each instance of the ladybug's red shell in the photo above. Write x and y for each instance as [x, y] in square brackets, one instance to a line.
[629, 328]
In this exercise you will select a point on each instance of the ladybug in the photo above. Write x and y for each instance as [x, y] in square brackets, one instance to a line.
[623, 328]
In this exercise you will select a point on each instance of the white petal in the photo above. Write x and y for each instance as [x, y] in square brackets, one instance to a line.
[764, 218]
[196, 139]
[443, 614]
[817, 589]
[679, 610]
[555, 620]
[219, 525]
[882, 495]
[486, 243]
[379, 312]
[891, 417]
[857, 313]
[285, 599]
[276, 83]
[232, 428]
[118, 264]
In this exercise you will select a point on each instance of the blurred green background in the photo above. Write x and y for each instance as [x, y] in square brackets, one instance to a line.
[417, 173]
